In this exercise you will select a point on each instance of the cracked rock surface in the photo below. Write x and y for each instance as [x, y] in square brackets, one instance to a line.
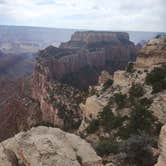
[43, 146]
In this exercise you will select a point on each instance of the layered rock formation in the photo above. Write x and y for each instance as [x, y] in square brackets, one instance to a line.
[77, 66]
[59, 103]
[81, 39]
[121, 100]
[47, 146]
[114, 108]
[154, 52]
[85, 55]
[124, 80]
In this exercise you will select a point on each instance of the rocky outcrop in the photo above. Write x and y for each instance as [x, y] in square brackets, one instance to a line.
[85, 56]
[162, 147]
[80, 39]
[153, 53]
[78, 68]
[159, 106]
[104, 77]
[49, 147]
[123, 80]
[59, 103]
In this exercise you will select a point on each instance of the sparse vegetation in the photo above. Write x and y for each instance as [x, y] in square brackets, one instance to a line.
[157, 79]
[107, 84]
[108, 120]
[136, 90]
[60, 96]
[130, 67]
[120, 99]
[106, 146]
[141, 119]
[137, 151]
[146, 102]
[93, 126]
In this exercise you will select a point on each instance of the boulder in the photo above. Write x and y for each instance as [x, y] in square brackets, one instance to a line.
[49, 147]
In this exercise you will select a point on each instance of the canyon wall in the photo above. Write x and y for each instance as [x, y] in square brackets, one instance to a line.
[85, 56]
[76, 68]
[154, 52]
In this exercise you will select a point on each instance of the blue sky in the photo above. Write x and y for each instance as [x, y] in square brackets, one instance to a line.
[145, 15]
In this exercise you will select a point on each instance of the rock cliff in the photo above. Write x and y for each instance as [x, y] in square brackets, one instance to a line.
[134, 74]
[81, 39]
[85, 55]
[18, 110]
[59, 103]
[123, 105]
[59, 71]
[111, 117]
[154, 52]
[47, 146]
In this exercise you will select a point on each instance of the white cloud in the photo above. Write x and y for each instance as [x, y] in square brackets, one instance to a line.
[146, 15]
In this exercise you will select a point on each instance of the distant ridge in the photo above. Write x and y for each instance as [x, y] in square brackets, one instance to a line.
[50, 34]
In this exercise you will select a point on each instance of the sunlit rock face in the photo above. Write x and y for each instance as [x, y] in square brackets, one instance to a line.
[153, 53]
[49, 147]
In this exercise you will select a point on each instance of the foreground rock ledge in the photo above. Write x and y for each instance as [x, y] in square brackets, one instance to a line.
[43, 146]
[162, 147]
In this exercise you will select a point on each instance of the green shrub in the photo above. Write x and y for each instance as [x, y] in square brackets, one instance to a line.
[136, 90]
[141, 119]
[93, 126]
[137, 150]
[124, 132]
[107, 84]
[146, 102]
[130, 67]
[108, 120]
[106, 146]
[120, 99]
[157, 79]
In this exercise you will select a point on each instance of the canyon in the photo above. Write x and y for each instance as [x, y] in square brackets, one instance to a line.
[79, 62]
[92, 87]
[61, 71]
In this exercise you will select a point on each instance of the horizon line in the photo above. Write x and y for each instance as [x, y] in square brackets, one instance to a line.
[47, 27]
